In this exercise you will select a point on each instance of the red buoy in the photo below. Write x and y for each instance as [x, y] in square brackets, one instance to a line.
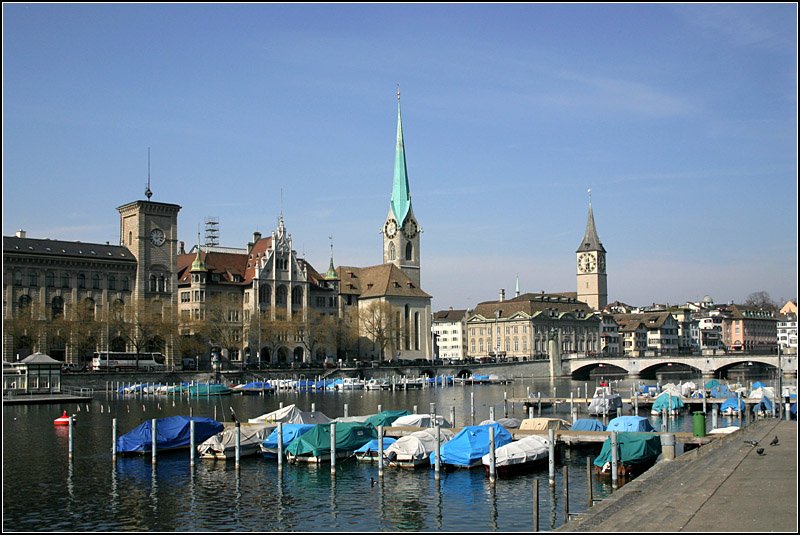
[63, 420]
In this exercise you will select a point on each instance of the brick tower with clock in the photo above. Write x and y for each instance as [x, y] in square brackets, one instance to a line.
[591, 266]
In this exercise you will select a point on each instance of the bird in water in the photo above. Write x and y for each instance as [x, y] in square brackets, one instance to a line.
[760, 451]
[774, 441]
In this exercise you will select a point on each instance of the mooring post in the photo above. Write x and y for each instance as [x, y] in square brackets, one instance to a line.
[346, 410]
[505, 404]
[535, 505]
[566, 493]
[668, 446]
[491, 413]
[191, 441]
[589, 480]
[154, 439]
[472, 407]
[70, 449]
[551, 456]
[114, 439]
[452, 416]
[238, 442]
[491, 455]
[380, 451]
[380, 408]
[437, 462]
[280, 446]
[614, 460]
[333, 448]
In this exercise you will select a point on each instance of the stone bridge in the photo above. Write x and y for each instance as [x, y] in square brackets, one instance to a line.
[708, 365]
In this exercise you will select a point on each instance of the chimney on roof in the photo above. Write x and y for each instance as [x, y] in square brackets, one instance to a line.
[20, 233]
[256, 236]
[181, 250]
[502, 294]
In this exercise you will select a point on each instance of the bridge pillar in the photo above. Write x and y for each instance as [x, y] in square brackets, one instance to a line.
[634, 375]
[707, 375]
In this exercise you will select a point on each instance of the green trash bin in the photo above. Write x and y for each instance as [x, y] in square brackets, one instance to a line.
[699, 424]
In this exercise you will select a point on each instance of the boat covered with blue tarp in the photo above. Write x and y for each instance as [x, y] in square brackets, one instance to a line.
[587, 424]
[172, 432]
[369, 451]
[269, 447]
[630, 424]
[732, 405]
[667, 401]
[468, 447]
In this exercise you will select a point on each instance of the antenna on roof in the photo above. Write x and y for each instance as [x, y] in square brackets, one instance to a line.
[147, 192]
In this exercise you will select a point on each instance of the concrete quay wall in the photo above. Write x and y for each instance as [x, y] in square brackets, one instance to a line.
[725, 486]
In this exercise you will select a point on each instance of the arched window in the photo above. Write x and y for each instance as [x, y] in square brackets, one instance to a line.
[409, 251]
[265, 294]
[280, 295]
[95, 281]
[126, 284]
[130, 237]
[118, 310]
[57, 307]
[152, 282]
[112, 282]
[65, 280]
[297, 295]
[392, 253]
[50, 279]
[33, 278]
[81, 281]
[17, 278]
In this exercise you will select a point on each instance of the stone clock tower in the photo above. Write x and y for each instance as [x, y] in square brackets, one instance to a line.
[401, 232]
[591, 263]
[150, 231]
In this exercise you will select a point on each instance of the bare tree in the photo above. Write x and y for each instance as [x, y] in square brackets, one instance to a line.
[378, 323]
[318, 331]
[761, 300]
[222, 324]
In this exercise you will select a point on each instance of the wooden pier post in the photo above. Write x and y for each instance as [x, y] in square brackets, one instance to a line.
[491, 413]
[714, 416]
[380, 408]
[668, 446]
[589, 481]
[505, 404]
[472, 407]
[313, 407]
[452, 416]
[415, 410]
[346, 410]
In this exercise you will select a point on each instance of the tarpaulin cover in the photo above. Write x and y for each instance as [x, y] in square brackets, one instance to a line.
[630, 424]
[290, 432]
[632, 448]
[385, 418]
[587, 424]
[471, 444]
[171, 432]
[317, 441]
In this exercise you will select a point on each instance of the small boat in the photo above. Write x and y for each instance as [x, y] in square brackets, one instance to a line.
[415, 449]
[291, 415]
[630, 424]
[269, 446]
[351, 383]
[378, 384]
[314, 446]
[64, 420]
[369, 451]
[636, 453]
[173, 432]
[519, 456]
[508, 423]
[208, 389]
[223, 445]
[384, 418]
[666, 400]
[604, 401]
[467, 448]
[421, 420]
[587, 424]
[544, 424]
[254, 387]
[732, 406]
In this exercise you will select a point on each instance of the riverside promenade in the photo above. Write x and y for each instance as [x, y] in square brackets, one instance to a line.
[725, 486]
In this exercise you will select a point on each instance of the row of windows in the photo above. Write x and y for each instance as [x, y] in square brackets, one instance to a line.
[65, 280]
[57, 307]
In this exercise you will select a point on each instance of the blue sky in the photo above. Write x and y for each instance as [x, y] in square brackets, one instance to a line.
[682, 119]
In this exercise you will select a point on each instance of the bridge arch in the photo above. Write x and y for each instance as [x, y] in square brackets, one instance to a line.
[604, 368]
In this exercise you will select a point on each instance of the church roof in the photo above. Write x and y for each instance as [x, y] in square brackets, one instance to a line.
[28, 246]
[401, 196]
[384, 280]
[532, 303]
[590, 242]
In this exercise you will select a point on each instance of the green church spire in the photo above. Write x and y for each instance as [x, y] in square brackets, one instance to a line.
[401, 197]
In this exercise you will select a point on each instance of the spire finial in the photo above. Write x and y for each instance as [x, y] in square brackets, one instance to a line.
[147, 192]
[398, 92]
[590, 196]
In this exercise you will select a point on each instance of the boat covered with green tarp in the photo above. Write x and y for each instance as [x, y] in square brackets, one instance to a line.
[636, 452]
[314, 445]
[385, 418]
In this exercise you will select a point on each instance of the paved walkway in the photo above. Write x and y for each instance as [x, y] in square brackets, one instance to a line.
[725, 486]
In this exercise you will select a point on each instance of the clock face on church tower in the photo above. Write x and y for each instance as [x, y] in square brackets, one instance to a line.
[157, 237]
[586, 263]
[390, 229]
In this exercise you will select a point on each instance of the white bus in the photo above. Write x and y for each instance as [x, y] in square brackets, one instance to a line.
[121, 360]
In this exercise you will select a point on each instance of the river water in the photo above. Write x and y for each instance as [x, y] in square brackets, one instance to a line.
[44, 491]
